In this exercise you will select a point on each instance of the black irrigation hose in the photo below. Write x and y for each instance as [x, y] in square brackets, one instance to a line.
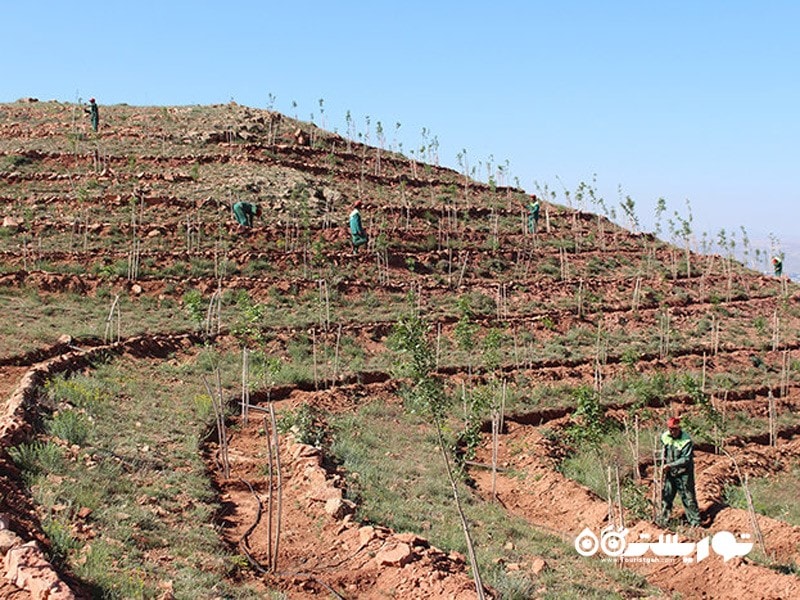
[314, 579]
[244, 545]
[244, 542]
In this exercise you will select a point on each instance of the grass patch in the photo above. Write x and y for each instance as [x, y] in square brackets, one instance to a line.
[588, 464]
[392, 473]
[141, 476]
[773, 497]
[36, 459]
[69, 425]
[32, 320]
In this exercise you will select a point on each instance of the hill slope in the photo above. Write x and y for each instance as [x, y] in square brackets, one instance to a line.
[128, 235]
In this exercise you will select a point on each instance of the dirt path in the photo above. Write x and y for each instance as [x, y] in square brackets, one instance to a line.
[321, 549]
[9, 380]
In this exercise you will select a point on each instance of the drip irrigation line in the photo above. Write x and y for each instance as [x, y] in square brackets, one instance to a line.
[313, 578]
[244, 542]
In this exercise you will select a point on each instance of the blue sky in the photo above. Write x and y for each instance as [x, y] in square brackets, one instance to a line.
[685, 100]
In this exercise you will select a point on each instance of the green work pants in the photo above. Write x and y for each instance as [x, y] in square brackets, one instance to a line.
[683, 482]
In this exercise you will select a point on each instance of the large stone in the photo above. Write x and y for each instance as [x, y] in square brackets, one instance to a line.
[338, 508]
[8, 539]
[28, 569]
[366, 534]
[324, 493]
[395, 554]
[538, 565]
[305, 451]
[12, 222]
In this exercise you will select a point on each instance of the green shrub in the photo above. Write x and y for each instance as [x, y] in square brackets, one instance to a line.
[61, 540]
[69, 425]
[77, 392]
[112, 270]
[204, 408]
[648, 390]
[36, 458]
[195, 306]
[306, 424]
[549, 267]
[15, 161]
[590, 422]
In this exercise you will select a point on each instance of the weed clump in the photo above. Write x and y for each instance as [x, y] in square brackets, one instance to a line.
[69, 425]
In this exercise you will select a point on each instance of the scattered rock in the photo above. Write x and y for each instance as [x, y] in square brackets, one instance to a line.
[28, 569]
[12, 222]
[8, 539]
[457, 558]
[411, 539]
[394, 554]
[339, 507]
[538, 565]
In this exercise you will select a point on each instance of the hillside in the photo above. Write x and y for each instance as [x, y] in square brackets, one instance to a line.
[148, 341]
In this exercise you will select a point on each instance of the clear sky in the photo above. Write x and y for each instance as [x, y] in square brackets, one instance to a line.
[694, 100]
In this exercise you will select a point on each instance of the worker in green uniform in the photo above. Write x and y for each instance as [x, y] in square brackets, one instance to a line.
[533, 207]
[777, 265]
[357, 234]
[677, 455]
[245, 212]
[94, 113]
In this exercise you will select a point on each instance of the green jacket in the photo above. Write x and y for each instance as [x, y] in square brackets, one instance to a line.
[356, 228]
[678, 453]
[533, 210]
[244, 213]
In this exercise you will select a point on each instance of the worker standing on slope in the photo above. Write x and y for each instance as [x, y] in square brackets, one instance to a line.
[245, 212]
[777, 265]
[533, 214]
[677, 455]
[357, 234]
[94, 114]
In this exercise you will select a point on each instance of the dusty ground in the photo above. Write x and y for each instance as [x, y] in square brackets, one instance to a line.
[546, 498]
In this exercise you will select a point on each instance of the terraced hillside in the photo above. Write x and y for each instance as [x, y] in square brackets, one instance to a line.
[194, 410]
